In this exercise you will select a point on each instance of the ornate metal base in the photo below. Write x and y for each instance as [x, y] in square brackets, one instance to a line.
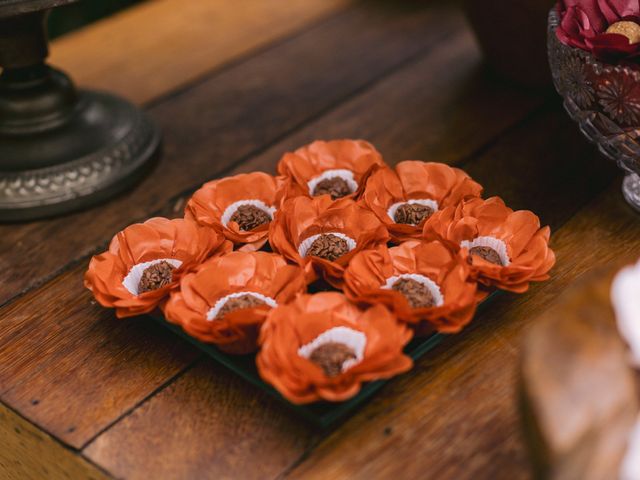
[631, 190]
[104, 148]
[60, 149]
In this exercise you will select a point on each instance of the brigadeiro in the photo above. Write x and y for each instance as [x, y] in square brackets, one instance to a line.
[425, 284]
[226, 301]
[146, 260]
[405, 198]
[321, 235]
[242, 207]
[338, 168]
[505, 248]
[322, 347]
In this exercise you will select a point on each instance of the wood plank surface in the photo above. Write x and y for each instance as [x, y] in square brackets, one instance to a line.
[28, 453]
[208, 424]
[74, 367]
[235, 114]
[467, 99]
[141, 403]
[457, 403]
[152, 49]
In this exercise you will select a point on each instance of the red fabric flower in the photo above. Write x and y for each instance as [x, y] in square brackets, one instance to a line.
[404, 198]
[322, 347]
[440, 287]
[226, 301]
[505, 249]
[164, 249]
[311, 169]
[322, 236]
[583, 24]
[242, 207]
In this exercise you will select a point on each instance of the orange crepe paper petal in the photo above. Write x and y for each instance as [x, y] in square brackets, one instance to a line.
[302, 217]
[157, 238]
[208, 205]
[263, 273]
[369, 270]
[526, 243]
[309, 161]
[291, 326]
[416, 180]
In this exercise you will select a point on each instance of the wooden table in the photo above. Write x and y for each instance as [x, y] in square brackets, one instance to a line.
[233, 85]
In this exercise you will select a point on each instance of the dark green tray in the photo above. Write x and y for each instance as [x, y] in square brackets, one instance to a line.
[321, 414]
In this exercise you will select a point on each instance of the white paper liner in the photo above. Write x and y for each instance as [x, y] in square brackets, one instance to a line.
[625, 297]
[495, 243]
[231, 209]
[346, 175]
[213, 311]
[132, 280]
[432, 204]
[353, 339]
[304, 246]
[432, 286]
[630, 468]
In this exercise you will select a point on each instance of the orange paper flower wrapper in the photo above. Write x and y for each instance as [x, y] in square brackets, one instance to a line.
[505, 249]
[359, 346]
[198, 305]
[241, 206]
[302, 220]
[371, 275]
[404, 198]
[311, 170]
[115, 276]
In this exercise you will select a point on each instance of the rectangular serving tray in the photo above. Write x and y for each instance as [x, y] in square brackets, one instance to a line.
[320, 414]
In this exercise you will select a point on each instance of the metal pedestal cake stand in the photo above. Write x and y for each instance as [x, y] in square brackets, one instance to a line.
[61, 149]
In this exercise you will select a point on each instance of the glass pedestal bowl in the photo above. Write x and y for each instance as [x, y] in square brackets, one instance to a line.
[604, 99]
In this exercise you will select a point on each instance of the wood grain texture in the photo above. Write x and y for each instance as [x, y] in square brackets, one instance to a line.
[466, 413]
[73, 367]
[235, 114]
[174, 42]
[460, 414]
[466, 100]
[207, 424]
[28, 453]
[577, 388]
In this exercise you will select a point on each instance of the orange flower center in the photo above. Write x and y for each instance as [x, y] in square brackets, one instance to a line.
[331, 357]
[488, 254]
[249, 217]
[156, 276]
[412, 213]
[329, 247]
[416, 293]
[237, 303]
[335, 186]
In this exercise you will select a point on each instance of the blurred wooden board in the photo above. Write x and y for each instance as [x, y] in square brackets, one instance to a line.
[149, 50]
[141, 403]
[577, 388]
[27, 452]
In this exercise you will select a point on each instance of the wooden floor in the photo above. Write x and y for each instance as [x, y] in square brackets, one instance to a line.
[233, 85]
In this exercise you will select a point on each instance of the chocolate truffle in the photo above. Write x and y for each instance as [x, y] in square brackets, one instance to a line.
[412, 213]
[418, 295]
[249, 217]
[155, 276]
[335, 186]
[328, 246]
[237, 303]
[487, 253]
[631, 30]
[331, 356]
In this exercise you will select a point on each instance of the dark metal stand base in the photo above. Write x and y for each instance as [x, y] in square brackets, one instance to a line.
[106, 146]
[61, 149]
